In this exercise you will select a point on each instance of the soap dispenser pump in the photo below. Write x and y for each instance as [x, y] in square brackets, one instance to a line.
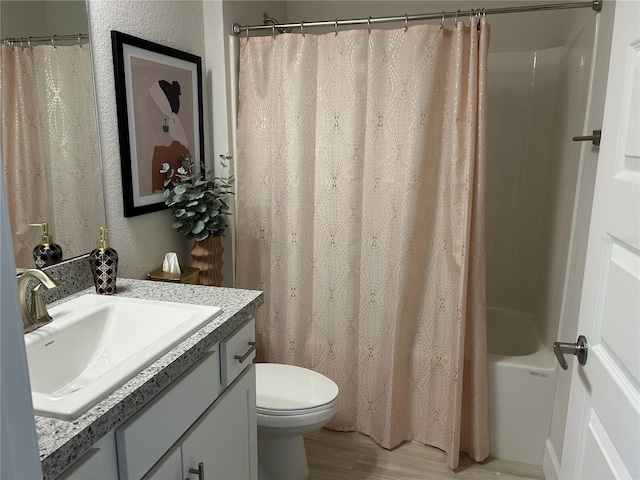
[46, 253]
[104, 265]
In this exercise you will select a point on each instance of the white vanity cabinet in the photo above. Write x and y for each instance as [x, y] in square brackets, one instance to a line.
[224, 441]
[198, 419]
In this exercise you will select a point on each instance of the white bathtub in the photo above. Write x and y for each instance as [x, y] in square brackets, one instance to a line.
[521, 385]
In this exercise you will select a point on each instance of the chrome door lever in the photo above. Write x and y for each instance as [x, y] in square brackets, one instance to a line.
[579, 349]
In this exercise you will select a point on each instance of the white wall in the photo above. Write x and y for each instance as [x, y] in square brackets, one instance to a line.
[563, 177]
[521, 99]
[42, 18]
[17, 21]
[219, 17]
[141, 241]
[563, 182]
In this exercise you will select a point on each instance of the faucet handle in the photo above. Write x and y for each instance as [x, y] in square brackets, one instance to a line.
[38, 308]
[36, 316]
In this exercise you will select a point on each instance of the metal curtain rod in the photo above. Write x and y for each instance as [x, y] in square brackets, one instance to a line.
[28, 41]
[595, 5]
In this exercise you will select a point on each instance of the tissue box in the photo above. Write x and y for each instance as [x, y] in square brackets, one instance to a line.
[188, 275]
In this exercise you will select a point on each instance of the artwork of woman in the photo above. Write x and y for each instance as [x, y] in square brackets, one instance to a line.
[159, 99]
[167, 98]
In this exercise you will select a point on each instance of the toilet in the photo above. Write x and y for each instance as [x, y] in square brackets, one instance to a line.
[290, 401]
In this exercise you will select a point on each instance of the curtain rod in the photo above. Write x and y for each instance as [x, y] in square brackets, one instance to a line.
[45, 39]
[595, 5]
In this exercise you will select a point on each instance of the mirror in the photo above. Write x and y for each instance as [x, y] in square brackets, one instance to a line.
[50, 150]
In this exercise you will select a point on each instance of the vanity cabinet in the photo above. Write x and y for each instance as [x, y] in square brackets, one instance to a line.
[224, 439]
[197, 419]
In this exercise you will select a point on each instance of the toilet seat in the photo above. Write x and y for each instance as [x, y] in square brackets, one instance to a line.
[298, 411]
[287, 390]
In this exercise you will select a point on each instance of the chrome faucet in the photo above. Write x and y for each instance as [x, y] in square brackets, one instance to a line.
[36, 315]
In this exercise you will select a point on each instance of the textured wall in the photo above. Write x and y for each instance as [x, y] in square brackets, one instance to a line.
[140, 241]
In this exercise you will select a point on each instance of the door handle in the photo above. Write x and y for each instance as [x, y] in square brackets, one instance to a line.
[594, 138]
[199, 471]
[579, 349]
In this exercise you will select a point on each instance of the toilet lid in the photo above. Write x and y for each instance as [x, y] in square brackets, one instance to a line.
[287, 387]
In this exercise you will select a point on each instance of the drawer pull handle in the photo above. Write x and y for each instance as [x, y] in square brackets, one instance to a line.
[242, 358]
[199, 471]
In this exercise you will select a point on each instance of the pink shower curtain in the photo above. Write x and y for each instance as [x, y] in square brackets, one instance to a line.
[361, 163]
[50, 151]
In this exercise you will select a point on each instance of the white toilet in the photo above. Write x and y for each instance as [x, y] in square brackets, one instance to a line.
[290, 401]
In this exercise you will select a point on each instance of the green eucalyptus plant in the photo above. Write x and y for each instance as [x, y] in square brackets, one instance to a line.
[198, 202]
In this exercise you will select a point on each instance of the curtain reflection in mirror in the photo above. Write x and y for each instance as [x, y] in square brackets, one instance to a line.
[50, 149]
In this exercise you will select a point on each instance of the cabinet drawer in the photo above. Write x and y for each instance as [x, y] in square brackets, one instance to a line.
[99, 463]
[233, 352]
[150, 433]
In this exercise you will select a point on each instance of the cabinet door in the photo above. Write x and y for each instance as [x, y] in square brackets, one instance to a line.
[168, 468]
[151, 432]
[224, 439]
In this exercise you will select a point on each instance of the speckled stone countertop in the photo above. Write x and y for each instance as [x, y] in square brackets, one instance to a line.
[61, 442]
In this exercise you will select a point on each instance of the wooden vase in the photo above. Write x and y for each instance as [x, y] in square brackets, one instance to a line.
[207, 256]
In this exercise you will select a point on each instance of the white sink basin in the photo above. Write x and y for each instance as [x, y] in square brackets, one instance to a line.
[96, 343]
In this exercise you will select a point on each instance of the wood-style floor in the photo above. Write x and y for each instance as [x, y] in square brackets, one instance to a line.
[353, 456]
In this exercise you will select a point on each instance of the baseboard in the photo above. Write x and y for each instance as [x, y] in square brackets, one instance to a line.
[550, 464]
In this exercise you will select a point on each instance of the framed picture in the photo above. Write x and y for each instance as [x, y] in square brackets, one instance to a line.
[159, 102]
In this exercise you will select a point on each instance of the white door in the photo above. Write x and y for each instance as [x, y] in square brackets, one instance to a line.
[602, 439]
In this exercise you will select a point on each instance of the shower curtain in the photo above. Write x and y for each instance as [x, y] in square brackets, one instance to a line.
[360, 165]
[50, 151]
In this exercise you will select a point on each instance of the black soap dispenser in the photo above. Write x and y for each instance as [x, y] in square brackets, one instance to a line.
[104, 265]
[46, 253]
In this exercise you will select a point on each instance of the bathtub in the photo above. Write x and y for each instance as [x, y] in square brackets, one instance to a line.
[521, 386]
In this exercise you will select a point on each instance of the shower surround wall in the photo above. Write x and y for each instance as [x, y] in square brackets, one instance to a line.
[522, 118]
[582, 94]
[559, 213]
[537, 102]
[522, 89]
[539, 192]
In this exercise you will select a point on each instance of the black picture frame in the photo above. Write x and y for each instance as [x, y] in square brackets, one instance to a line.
[160, 116]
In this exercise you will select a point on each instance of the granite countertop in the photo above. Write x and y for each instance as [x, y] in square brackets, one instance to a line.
[63, 442]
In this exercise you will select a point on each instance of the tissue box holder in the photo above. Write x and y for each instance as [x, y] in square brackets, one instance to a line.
[188, 275]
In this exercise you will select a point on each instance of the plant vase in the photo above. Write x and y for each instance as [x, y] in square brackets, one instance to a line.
[207, 256]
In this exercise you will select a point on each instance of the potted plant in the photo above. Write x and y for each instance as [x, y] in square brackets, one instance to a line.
[199, 207]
